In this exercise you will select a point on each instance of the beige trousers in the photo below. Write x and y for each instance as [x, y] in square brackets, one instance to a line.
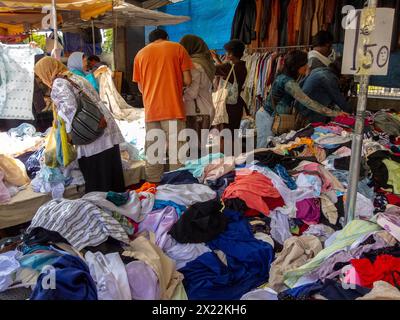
[171, 128]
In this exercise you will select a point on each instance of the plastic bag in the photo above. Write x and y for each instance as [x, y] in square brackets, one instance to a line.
[14, 171]
[50, 152]
[68, 150]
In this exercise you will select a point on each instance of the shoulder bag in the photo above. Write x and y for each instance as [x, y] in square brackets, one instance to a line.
[89, 122]
[220, 99]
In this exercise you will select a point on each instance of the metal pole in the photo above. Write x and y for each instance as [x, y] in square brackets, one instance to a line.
[54, 18]
[356, 148]
[93, 39]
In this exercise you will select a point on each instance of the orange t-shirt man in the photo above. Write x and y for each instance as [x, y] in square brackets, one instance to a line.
[158, 69]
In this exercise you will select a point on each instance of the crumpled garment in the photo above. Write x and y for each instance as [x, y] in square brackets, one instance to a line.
[390, 221]
[161, 204]
[321, 231]
[145, 250]
[248, 262]
[255, 189]
[72, 282]
[280, 229]
[328, 179]
[8, 266]
[382, 291]
[109, 273]
[185, 194]
[384, 268]
[261, 295]
[24, 129]
[309, 211]
[201, 223]
[310, 182]
[182, 254]
[14, 171]
[50, 180]
[218, 168]
[351, 232]
[296, 252]
[329, 209]
[160, 223]
[289, 181]
[196, 167]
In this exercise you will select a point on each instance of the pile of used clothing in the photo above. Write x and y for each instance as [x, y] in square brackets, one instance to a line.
[268, 225]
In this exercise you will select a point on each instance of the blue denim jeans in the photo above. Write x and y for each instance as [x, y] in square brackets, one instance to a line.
[264, 123]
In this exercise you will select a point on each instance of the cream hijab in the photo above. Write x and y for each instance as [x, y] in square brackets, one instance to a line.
[47, 69]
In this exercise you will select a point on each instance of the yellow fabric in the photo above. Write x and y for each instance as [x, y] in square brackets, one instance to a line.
[50, 151]
[14, 171]
[11, 29]
[68, 150]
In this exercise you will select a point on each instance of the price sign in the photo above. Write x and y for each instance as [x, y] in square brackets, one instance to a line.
[367, 41]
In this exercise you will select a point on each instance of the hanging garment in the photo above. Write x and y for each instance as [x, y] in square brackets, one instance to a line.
[256, 190]
[72, 282]
[318, 18]
[202, 222]
[186, 194]
[307, 19]
[113, 101]
[16, 81]
[244, 21]
[145, 250]
[80, 222]
[347, 236]
[272, 35]
[297, 251]
[109, 274]
[247, 264]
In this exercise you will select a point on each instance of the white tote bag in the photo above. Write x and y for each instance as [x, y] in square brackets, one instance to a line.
[224, 94]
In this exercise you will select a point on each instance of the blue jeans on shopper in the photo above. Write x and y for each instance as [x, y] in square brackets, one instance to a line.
[264, 123]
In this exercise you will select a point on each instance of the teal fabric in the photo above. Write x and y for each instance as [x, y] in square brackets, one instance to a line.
[89, 77]
[196, 167]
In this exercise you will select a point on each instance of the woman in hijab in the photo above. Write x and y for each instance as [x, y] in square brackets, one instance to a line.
[99, 161]
[198, 100]
[77, 64]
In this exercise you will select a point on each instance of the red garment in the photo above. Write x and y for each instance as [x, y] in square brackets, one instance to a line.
[303, 228]
[393, 199]
[291, 20]
[251, 213]
[253, 188]
[383, 269]
[348, 120]
[272, 38]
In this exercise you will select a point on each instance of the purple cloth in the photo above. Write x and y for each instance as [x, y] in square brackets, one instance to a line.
[160, 222]
[309, 211]
[143, 281]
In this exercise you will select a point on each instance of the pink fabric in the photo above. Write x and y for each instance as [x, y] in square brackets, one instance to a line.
[252, 187]
[159, 222]
[352, 277]
[329, 181]
[143, 281]
[309, 211]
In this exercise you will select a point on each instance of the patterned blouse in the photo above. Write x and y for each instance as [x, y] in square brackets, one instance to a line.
[64, 96]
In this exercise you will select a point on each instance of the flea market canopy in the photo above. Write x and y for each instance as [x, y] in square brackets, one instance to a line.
[18, 17]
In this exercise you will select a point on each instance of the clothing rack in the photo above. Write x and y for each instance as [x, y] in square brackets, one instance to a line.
[284, 48]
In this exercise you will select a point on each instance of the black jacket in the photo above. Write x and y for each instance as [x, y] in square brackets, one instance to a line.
[244, 22]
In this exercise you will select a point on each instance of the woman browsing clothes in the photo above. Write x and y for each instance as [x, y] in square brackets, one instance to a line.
[284, 92]
[100, 160]
[78, 64]
[198, 96]
[234, 53]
